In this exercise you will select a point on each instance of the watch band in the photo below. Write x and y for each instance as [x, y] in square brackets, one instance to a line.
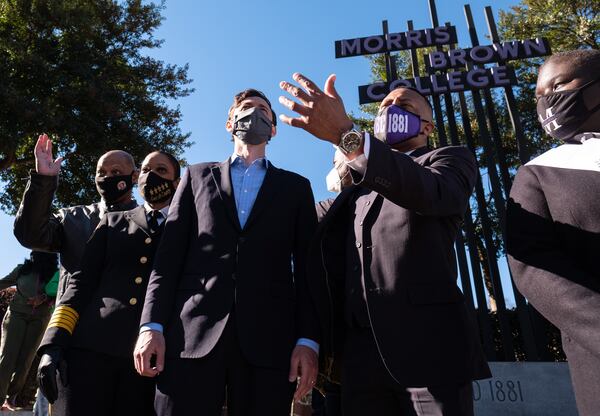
[350, 140]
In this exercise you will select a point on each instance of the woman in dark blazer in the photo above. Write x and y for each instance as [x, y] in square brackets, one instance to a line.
[91, 334]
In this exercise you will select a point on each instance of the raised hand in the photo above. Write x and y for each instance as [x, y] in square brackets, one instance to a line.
[321, 113]
[45, 164]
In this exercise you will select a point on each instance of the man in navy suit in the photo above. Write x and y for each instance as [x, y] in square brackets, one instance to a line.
[228, 297]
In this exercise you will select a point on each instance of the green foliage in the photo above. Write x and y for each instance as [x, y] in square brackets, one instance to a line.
[78, 71]
[569, 24]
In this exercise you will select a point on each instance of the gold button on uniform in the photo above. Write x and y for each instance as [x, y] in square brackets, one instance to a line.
[138, 280]
[132, 301]
[143, 260]
[148, 240]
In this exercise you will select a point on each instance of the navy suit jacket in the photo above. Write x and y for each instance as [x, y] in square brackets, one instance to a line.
[207, 266]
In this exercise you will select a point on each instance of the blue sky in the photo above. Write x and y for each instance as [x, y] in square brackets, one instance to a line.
[233, 45]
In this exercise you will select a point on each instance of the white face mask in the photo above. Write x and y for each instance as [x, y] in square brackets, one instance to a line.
[334, 182]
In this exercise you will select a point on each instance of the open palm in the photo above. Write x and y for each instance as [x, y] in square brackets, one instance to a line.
[45, 164]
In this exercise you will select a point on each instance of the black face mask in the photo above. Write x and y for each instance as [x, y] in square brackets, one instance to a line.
[562, 113]
[157, 189]
[251, 126]
[112, 188]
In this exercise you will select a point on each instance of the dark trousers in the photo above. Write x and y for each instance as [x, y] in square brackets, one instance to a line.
[330, 403]
[368, 388]
[199, 386]
[100, 385]
[21, 335]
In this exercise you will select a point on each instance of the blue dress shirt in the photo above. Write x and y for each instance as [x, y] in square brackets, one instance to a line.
[246, 182]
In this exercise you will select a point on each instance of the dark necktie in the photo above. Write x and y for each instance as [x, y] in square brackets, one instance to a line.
[155, 216]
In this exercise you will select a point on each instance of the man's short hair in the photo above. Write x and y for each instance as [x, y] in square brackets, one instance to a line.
[247, 93]
[586, 60]
[418, 92]
[173, 160]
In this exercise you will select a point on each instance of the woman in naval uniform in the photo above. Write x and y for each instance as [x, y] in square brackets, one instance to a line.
[90, 338]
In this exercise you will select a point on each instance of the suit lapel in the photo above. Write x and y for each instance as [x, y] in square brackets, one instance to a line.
[340, 201]
[420, 152]
[222, 179]
[138, 217]
[271, 185]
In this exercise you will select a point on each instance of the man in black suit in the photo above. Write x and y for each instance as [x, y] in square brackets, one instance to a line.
[553, 217]
[65, 232]
[95, 325]
[383, 269]
[228, 288]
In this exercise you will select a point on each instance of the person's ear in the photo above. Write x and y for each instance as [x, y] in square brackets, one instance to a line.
[428, 129]
[273, 130]
[135, 176]
[176, 182]
[229, 126]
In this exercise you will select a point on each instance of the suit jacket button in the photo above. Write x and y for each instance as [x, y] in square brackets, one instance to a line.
[148, 240]
[143, 259]
[132, 301]
[358, 244]
[139, 280]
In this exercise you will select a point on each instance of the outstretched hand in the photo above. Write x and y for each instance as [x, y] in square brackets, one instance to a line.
[321, 113]
[45, 164]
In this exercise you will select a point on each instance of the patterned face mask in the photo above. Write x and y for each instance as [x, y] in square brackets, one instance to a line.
[395, 125]
[156, 189]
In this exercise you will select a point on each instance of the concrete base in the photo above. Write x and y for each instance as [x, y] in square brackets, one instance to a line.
[525, 389]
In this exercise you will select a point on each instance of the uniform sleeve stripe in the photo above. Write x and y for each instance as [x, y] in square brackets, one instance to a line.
[67, 321]
[64, 317]
[68, 328]
[64, 309]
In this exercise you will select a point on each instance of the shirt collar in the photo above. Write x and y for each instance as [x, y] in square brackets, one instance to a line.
[164, 211]
[116, 207]
[261, 161]
[582, 137]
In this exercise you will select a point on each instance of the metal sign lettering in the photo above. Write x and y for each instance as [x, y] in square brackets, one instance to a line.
[400, 41]
[456, 81]
[485, 54]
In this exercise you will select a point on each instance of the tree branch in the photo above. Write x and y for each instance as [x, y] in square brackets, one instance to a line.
[8, 160]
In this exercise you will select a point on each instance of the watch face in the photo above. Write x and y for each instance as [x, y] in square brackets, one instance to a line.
[350, 141]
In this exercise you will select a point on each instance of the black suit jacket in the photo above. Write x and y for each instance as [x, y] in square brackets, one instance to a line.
[408, 225]
[108, 292]
[207, 266]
